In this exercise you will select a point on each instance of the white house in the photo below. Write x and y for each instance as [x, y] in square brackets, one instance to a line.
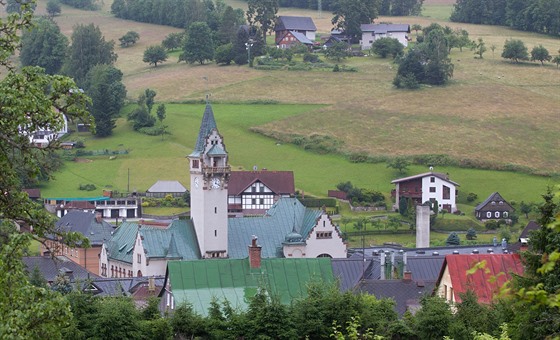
[372, 32]
[43, 137]
[429, 186]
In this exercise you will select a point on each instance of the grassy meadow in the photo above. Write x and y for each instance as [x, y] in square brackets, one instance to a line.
[492, 110]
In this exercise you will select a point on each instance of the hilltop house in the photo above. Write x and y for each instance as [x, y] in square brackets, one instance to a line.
[454, 278]
[429, 186]
[372, 32]
[292, 24]
[89, 224]
[494, 207]
[163, 188]
[254, 192]
[287, 229]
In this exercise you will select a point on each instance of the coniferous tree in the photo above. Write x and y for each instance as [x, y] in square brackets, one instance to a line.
[44, 45]
[198, 45]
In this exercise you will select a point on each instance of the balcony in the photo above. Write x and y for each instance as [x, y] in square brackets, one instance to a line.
[208, 171]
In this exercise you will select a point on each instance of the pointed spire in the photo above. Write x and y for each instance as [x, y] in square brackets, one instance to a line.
[207, 125]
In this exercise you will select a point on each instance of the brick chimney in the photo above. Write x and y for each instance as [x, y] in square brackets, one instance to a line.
[407, 276]
[254, 254]
[98, 217]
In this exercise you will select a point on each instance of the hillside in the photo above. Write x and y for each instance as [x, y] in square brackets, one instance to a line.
[492, 111]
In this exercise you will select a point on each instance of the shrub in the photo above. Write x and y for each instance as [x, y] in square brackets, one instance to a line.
[471, 197]
[471, 234]
[87, 187]
[492, 225]
[453, 239]
[311, 58]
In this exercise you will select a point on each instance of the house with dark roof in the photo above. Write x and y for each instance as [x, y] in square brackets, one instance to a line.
[493, 207]
[292, 38]
[254, 192]
[294, 25]
[63, 209]
[91, 226]
[163, 188]
[50, 267]
[34, 194]
[429, 186]
[372, 32]
[140, 289]
[236, 280]
[457, 275]
[405, 292]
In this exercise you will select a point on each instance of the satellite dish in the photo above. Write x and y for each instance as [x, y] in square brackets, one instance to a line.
[431, 168]
[255, 168]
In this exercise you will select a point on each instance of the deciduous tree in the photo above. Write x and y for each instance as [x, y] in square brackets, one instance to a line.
[155, 54]
[198, 45]
[53, 8]
[350, 14]
[130, 38]
[173, 41]
[515, 50]
[263, 13]
[540, 53]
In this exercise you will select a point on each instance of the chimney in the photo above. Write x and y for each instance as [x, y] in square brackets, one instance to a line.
[151, 284]
[98, 217]
[254, 254]
[382, 276]
[407, 276]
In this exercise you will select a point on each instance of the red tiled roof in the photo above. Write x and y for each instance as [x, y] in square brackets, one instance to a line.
[79, 205]
[280, 182]
[484, 282]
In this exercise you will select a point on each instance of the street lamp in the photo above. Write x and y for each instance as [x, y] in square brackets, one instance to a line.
[248, 46]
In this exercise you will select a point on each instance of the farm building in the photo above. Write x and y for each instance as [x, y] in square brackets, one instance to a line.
[494, 207]
[372, 32]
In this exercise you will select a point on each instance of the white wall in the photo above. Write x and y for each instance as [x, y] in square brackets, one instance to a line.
[333, 246]
[368, 38]
[438, 194]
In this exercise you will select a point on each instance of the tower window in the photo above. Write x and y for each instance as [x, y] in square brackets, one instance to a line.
[215, 210]
[195, 163]
[215, 233]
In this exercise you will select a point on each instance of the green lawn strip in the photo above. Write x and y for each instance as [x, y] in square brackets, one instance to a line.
[439, 12]
[164, 211]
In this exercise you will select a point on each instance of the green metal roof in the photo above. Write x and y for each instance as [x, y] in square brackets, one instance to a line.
[177, 241]
[206, 126]
[216, 150]
[198, 282]
[96, 198]
[285, 216]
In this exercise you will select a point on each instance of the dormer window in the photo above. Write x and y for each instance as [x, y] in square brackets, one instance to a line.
[501, 202]
[493, 203]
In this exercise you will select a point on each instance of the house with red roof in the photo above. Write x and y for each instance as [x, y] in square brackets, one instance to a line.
[254, 192]
[484, 274]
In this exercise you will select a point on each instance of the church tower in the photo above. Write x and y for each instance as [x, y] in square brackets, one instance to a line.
[210, 172]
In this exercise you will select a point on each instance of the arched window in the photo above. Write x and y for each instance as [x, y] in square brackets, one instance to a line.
[325, 255]
[497, 214]
[139, 274]
[489, 214]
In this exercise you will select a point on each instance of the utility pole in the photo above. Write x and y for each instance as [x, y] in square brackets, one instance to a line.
[128, 183]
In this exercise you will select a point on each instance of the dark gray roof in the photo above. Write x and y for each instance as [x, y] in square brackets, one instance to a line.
[167, 186]
[384, 28]
[121, 286]
[424, 268]
[532, 225]
[208, 124]
[349, 271]
[431, 173]
[86, 224]
[301, 38]
[405, 293]
[50, 267]
[495, 197]
[294, 23]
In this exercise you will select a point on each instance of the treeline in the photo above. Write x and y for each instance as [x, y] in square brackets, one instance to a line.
[176, 13]
[386, 7]
[541, 16]
[89, 5]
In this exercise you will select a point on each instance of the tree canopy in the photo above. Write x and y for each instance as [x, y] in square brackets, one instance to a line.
[350, 14]
[155, 54]
[198, 45]
[263, 13]
[44, 45]
[515, 50]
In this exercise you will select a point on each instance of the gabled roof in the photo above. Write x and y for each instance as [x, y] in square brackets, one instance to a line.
[289, 23]
[350, 271]
[78, 205]
[121, 286]
[384, 28]
[271, 228]
[50, 267]
[425, 174]
[531, 226]
[406, 294]
[157, 241]
[33, 193]
[86, 224]
[495, 197]
[279, 182]
[198, 282]
[167, 186]
[206, 126]
[484, 282]
[301, 38]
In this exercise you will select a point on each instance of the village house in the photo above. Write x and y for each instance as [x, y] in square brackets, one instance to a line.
[296, 25]
[90, 225]
[292, 38]
[494, 207]
[372, 32]
[429, 186]
[107, 206]
[457, 276]
[254, 192]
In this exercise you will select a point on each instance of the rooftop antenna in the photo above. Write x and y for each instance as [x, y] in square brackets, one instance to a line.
[320, 8]
[207, 91]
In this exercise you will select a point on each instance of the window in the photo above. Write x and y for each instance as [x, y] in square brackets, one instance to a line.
[324, 234]
[446, 192]
[493, 203]
[195, 163]
[501, 203]
[451, 297]
[215, 233]
[432, 189]
[505, 214]
[139, 258]
[432, 179]
[215, 210]
[489, 214]
[497, 214]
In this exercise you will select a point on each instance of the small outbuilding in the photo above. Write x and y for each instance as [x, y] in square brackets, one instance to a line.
[163, 188]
